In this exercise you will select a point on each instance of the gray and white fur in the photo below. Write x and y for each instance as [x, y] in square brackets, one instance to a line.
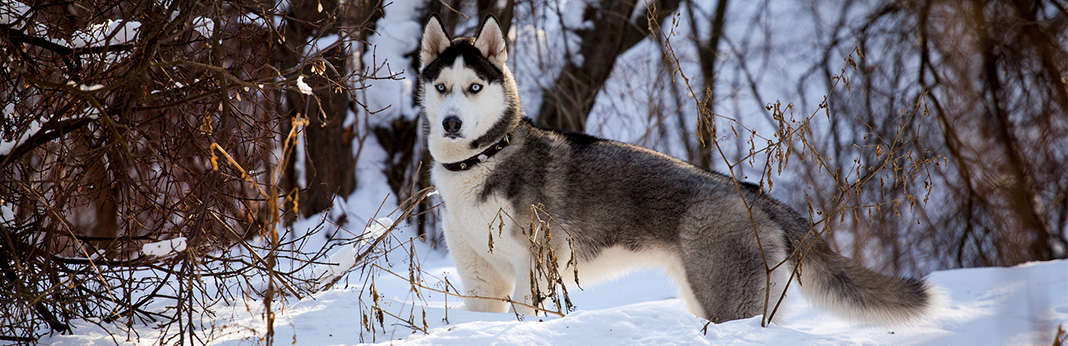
[620, 207]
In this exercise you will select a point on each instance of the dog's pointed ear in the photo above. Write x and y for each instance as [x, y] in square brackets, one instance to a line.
[435, 40]
[491, 42]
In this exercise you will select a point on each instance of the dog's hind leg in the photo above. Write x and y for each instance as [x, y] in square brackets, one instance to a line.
[725, 265]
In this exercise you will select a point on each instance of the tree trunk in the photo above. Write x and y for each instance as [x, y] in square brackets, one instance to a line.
[707, 55]
[567, 105]
[329, 163]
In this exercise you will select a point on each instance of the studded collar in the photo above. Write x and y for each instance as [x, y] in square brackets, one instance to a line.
[483, 156]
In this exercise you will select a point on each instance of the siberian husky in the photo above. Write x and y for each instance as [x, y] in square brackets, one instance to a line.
[516, 197]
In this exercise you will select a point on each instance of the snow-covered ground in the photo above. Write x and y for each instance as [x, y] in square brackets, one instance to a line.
[987, 306]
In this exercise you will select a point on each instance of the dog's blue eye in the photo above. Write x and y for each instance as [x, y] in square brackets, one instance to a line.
[440, 87]
[476, 87]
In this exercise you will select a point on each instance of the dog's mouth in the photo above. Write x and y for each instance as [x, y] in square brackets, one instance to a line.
[453, 136]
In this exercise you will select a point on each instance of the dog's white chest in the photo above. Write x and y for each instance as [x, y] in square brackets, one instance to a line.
[472, 220]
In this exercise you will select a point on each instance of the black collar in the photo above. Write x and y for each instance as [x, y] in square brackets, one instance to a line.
[483, 156]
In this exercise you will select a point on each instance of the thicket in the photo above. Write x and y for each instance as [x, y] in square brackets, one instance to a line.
[174, 124]
[941, 142]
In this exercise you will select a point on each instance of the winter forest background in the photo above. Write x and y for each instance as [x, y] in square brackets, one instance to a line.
[918, 135]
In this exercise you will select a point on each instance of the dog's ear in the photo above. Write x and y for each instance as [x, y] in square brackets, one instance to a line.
[435, 40]
[490, 41]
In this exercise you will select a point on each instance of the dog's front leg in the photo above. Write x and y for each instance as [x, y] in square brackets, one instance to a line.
[530, 288]
[480, 279]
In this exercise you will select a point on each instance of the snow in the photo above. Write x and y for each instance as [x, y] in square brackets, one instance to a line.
[994, 306]
[572, 15]
[340, 261]
[164, 248]
[12, 12]
[396, 35]
[1022, 305]
[108, 33]
[303, 87]
[204, 26]
[93, 87]
[7, 146]
[7, 215]
[377, 229]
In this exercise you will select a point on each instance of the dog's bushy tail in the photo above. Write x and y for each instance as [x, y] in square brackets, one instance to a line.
[846, 288]
[843, 286]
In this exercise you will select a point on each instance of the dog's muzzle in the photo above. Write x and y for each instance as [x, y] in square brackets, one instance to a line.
[452, 125]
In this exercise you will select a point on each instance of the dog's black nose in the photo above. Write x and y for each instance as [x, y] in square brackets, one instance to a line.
[452, 124]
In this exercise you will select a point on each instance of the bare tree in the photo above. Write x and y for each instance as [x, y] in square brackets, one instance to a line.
[329, 162]
[567, 104]
[965, 104]
[707, 51]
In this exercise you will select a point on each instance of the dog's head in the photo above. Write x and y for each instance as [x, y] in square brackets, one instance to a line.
[468, 94]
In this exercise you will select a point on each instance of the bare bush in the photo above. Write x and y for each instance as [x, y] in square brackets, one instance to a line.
[138, 122]
[963, 106]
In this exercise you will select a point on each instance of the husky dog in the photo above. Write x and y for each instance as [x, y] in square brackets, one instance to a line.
[730, 248]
